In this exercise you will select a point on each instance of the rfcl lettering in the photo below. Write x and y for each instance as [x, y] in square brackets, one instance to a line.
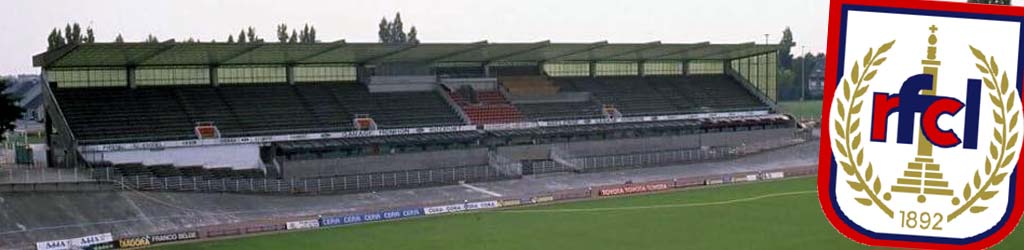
[909, 102]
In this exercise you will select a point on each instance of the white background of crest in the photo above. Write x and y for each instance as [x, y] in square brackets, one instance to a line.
[871, 30]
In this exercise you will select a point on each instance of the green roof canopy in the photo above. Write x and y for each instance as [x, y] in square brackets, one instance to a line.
[201, 54]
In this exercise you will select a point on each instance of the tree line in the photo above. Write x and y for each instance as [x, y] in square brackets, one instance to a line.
[391, 32]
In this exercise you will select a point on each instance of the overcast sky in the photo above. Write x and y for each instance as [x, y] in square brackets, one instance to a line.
[26, 23]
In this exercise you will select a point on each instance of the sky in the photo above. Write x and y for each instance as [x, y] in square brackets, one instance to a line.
[26, 23]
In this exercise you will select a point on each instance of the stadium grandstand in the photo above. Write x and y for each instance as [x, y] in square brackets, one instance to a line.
[217, 110]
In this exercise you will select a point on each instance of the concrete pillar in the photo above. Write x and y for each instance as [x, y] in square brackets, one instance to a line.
[213, 76]
[640, 68]
[130, 76]
[686, 67]
[289, 73]
[593, 68]
[487, 69]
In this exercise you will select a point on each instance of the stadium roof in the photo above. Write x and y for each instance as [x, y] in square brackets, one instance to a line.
[202, 54]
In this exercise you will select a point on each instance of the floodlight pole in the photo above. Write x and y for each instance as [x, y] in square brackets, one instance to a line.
[803, 71]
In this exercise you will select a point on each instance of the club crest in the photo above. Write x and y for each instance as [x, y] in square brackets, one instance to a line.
[921, 134]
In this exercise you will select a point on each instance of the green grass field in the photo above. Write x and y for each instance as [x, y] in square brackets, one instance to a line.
[804, 109]
[772, 215]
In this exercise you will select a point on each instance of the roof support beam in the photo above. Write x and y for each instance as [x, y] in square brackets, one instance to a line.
[476, 46]
[239, 54]
[538, 45]
[142, 59]
[748, 52]
[646, 46]
[699, 46]
[724, 50]
[378, 58]
[337, 45]
[45, 60]
[592, 46]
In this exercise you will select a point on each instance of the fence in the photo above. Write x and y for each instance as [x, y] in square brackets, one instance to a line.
[562, 161]
[377, 212]
[334, 184]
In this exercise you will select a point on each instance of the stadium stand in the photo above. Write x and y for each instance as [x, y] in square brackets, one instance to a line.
[216, 111]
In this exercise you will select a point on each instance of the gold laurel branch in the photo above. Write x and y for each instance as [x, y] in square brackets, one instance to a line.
[848, 125]
[1000, 150]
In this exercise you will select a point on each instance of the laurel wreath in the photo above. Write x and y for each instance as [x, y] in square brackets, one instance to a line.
[1000, 150]
[848, 124]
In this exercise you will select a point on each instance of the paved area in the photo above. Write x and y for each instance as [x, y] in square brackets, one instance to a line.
[27, 218]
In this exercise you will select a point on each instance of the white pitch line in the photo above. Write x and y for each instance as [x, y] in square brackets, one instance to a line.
[478, 189]
[682, 205]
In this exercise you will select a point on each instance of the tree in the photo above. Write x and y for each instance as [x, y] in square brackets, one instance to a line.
[383, 34]
[152, 39]
[231, 39]
[999, 2]
[76, 35]
[294, 38]
[282, 33]
[55, 40]
[397, 29]
[393, 32]
[312, 34]
[412, 36]
[89, 37]
[9, 112]
[119, 39]
[785, 57]
[252, 37]
[241, 36]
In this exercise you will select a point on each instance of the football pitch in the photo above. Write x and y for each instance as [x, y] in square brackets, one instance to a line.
[770, 215]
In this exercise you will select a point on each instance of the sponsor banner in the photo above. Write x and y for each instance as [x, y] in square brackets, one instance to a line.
[412, 212]
[158, 238]
[92, 240]
[331, 221]
[713, 181]
[456, 208]
[775, 175]
[652, 118]
[509, 126]
[302, 224]
[102, 246]
[509, 203]
[540, 199]
[435, 210]
[278, 138]
[398, 214]
[54, 245]
[352, 219]
[372, 217]
[134, 242]
[481, 205]
[745, 178]
[633, 189]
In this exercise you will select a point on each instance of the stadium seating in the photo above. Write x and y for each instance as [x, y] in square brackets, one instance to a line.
[112, 115]
[486, 107]
[138, 170]
[658, 95]
[561, 110]
[528, 85]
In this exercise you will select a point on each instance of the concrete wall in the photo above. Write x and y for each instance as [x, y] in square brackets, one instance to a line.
[646, 144]
[240, 156]
[384, 163]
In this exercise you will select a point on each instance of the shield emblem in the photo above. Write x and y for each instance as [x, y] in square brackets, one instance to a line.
[921, 134]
